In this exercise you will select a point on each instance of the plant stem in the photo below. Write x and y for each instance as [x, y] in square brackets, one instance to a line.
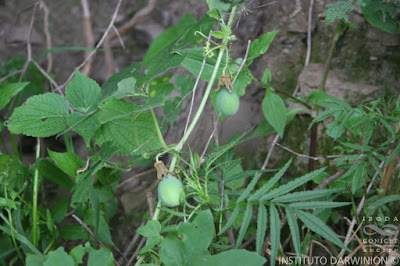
[14, 145]
[205, 96]
[35, 197]
[159, 134]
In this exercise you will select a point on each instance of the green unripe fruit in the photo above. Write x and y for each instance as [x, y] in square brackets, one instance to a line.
[227, 103]
[170, 190]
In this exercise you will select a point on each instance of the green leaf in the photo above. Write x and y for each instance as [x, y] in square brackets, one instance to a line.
[338, 11]
[194, 60]
[73, 232]
[78, 252]
[126, 87]
[267, 77]
[41, 116]
[249, 188]
[294, 230]
[306, 195]
[83, 190]
[383, 201]
[68, 162]
[260, 46]
[243, 80]
[7, 203]
[9, 91]
[221, 6]
[127, 129]
[275, 231]
[58, 257]
[274, 110]
[8, 168]
[267, 186]
[318, 205]
[172, 251]
[229, 258]
[198, 235]
[85, 125]
[102, 256]
[54, 174]
[375, 164]
[380, 19]
[151, 229]
[232, 219]
[262, 221]
[83, 93]
[317, 226]
[265, 128]
[292, 185]
[248, 213]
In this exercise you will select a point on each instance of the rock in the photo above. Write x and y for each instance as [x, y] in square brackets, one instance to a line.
[336, 85]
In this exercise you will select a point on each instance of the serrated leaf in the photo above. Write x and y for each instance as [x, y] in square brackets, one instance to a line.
[232, 219]
[260, 46]
[41, 116]
[275, 231]
[9, 91]
[306, 195]
[249, 188]
[338, 11]
[127, 129]
[383, 201]
[85, 125]
[317, 226]
[292, 185]
[103, 256]
[82, 190]
[67, 162]
[274, 110]
[248, 213]
[83, 93]
[267, 186]
[57, 257]
[221, 6]
[318, 205]
[294, 230]
[262, 221]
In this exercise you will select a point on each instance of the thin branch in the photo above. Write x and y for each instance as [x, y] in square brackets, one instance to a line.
[28, 44]
[47, 34]
[194, 89]
[108, 55]
[209, 139]
[244, 61]
[90, 232]
[99, 44]
[326, 182]
[150, 203]
[310, 11]
[307, 156]
[139, 247]
[10, 75]
[88, 33]
[133, 242]
[359, 209]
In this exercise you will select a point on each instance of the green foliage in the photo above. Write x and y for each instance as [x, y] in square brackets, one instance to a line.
[338, 11]
[382, 14]
[41, 116]
[274, 110]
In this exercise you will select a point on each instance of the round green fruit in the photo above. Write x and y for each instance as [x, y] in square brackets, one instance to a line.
[227, 103]
[170, 190]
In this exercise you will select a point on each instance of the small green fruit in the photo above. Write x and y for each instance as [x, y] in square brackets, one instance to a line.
[170, 190]
[227, 103]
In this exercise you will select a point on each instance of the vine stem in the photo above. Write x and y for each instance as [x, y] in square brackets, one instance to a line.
[35, 197]
[199, 110]
[205, 96]
[159, 134]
